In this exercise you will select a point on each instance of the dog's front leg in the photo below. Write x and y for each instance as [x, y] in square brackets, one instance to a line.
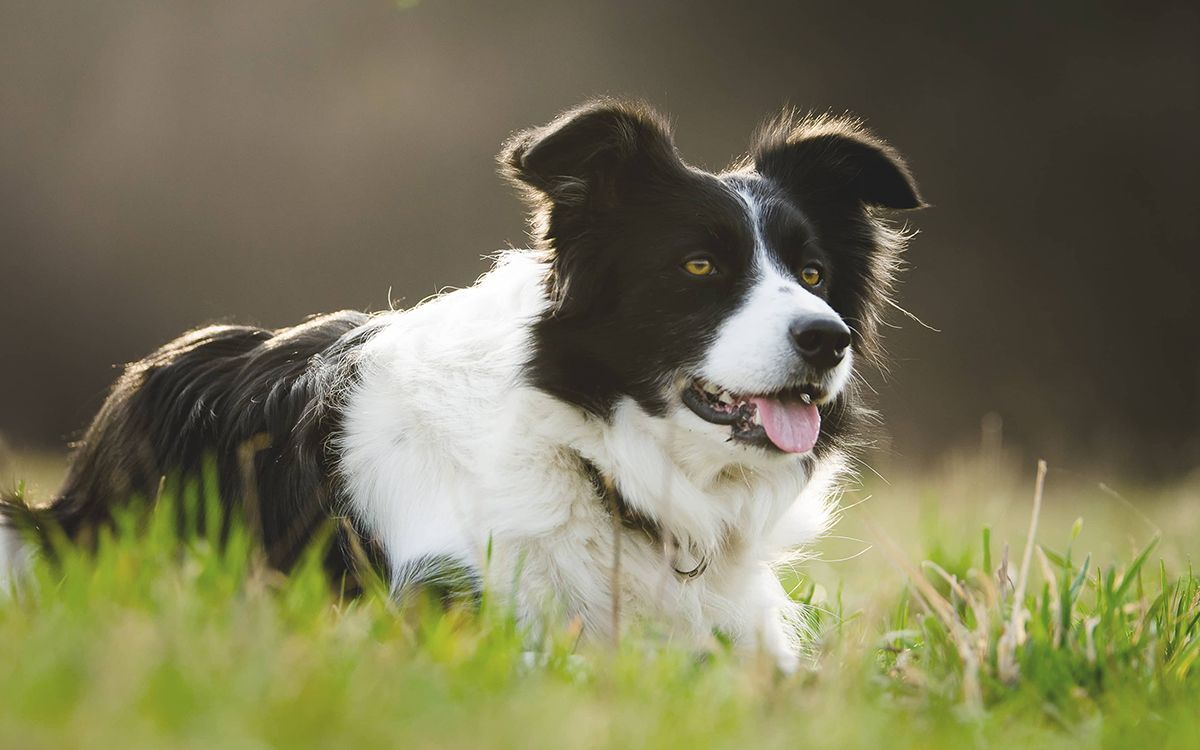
[773, 624]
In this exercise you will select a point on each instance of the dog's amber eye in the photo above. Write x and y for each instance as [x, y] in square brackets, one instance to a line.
[811, 275]
[700, 267]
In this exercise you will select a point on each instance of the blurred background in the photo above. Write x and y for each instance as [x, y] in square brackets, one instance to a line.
[165, 164]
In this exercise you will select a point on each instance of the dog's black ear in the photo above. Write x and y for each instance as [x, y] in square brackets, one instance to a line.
[583, 155]
[834, 158]
[574, 172]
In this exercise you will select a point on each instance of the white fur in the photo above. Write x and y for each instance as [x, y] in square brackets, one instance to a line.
[446, 450]
[15, 558]
[752, 352]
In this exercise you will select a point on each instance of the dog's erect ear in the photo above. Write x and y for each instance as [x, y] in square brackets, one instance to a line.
[582, 156]
[572, 172]
[833, 158]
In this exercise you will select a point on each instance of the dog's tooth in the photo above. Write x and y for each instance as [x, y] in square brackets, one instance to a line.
[711, 388]
[725, 398]
[806, 398]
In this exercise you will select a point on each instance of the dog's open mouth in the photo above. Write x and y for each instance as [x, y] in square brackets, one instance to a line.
[786, 420]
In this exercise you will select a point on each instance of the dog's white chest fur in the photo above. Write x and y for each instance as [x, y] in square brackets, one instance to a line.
[446, 452]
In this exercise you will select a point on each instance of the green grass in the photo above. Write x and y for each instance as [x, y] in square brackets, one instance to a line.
[158, 642]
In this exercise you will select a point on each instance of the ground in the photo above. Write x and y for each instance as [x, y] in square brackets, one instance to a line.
[140, 646]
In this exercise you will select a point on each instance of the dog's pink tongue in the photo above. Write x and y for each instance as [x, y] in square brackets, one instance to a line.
[793, 426]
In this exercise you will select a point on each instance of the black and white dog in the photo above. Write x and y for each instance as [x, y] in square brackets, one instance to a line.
[670, 372]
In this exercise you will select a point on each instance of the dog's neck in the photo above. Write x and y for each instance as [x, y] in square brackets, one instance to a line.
[686, 563]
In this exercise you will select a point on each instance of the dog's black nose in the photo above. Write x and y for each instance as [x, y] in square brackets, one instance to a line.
[821, 341]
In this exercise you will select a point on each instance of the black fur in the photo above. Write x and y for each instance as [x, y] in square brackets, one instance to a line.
[262, 403]
[444, 578]
[617, 211]
[838, 173]
[616, 208]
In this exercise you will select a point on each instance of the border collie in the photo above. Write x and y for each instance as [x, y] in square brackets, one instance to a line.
[617, 424]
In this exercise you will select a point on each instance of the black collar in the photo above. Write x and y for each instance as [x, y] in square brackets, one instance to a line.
[614, 504]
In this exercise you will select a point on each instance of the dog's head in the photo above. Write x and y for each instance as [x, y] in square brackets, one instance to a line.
[734, 304]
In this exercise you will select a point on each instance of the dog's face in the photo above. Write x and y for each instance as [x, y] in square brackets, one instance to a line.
[732, 303]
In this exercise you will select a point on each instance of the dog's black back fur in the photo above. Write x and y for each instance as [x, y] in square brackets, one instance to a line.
[263, 404]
